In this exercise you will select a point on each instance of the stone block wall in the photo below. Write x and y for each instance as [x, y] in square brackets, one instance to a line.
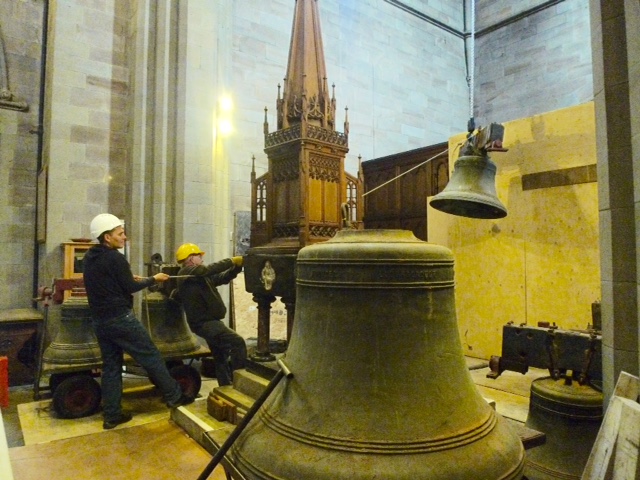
[20, 34]
[535, 62]
[86, 129]
[129, 123]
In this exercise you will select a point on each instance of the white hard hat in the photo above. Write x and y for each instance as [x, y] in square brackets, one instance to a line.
[104, 222]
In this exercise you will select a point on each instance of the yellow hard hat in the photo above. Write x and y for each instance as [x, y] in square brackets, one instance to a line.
[187, 249]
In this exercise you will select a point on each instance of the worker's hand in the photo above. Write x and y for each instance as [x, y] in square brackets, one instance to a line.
[161, 277]
[237, 261]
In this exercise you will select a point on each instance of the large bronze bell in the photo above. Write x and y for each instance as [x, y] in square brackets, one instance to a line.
[471, 192]
[380, 388]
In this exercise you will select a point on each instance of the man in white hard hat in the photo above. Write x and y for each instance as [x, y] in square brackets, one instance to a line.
[110, 286]
[205, 309]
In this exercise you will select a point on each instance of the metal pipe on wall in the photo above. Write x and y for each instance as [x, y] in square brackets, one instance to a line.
[39, 131]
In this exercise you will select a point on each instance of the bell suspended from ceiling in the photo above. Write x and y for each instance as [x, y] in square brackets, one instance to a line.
[471, 191]
[380, 389]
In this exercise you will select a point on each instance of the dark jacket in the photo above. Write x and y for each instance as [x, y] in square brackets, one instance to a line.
[109, 282]
[199, 296]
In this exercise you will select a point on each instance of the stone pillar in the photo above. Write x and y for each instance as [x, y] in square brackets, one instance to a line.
[204, 206]
[153, 58]
[20, 58]
[263, 353]
[182, 65]
[616, 63]
[86, 127]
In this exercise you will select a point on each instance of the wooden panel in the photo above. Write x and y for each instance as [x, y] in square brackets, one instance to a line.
[331, 202]
[402, 202]
[413, 201]
[615, 452]
[315, 200]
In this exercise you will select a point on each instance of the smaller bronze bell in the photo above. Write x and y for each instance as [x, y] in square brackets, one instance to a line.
[74, 344]
[570, 415]
[163, 317]
[167, 326]
[471, 192]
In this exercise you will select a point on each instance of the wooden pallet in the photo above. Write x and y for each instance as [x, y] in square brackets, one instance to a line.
[614, 455]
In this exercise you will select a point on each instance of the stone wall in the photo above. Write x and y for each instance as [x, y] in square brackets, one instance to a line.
[535, 62]
[87, 122]
[133, 95]
[21, 35]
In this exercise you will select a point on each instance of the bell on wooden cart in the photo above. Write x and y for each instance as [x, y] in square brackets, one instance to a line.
[163, 317]
[570, 414]
[380, 387]
[471, 191]
[74, 344]
[167, 326]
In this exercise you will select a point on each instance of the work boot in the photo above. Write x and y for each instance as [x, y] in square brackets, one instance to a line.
[123, 418]
[183, 400]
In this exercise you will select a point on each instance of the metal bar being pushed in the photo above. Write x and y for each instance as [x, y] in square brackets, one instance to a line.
[280, 374]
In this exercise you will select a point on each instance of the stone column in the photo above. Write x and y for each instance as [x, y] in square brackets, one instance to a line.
[182, 66]
[616, 69]
[204, 76]
[153, 58]
[86, 126]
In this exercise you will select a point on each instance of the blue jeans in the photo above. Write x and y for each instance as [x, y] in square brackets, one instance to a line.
[126, 334]
[228, 349]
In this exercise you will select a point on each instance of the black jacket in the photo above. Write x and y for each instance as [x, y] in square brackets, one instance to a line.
[199, 296]
[109, 282]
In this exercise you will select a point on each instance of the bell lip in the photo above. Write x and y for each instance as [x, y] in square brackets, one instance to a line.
[470, 207]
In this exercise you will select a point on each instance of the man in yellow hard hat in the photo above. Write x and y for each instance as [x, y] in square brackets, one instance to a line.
[110, 286]
[205, 308]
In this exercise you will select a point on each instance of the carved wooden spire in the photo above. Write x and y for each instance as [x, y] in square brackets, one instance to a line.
[306, 97]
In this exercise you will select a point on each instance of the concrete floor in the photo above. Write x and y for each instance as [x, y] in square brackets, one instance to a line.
[153, 445]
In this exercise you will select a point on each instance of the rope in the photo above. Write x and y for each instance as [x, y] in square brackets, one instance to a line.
[404, 173]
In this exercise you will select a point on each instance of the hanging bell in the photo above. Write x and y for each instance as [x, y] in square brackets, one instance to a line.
[471, 192]
[380, 387]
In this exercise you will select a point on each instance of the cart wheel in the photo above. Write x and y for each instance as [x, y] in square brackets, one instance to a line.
[77, 396]
[188, 378]
[57, 378]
